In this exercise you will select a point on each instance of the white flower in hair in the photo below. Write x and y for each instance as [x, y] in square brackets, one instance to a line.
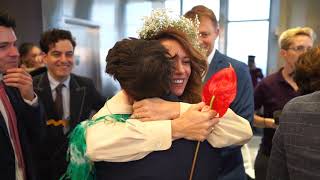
[162, 19]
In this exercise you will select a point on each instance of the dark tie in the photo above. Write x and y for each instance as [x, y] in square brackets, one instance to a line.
[13, 129]
[58, 101]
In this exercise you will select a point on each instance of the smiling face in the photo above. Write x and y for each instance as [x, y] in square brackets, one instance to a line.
[182, 71]
[35, 57]
[60, 59]
[208, 34]
[9, 55]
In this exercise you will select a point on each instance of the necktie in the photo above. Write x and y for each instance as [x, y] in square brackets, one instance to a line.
[58, 101]
[12, 123]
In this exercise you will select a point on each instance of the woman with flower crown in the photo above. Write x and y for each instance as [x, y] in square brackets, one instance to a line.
[164, 149]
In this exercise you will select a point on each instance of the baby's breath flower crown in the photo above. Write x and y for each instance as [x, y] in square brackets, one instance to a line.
[160, 20]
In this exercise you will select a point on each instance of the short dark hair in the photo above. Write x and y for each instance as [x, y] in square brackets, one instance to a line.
[6, 20]
[307, 71]
[51, 37]
[202, 11]
[142, 67]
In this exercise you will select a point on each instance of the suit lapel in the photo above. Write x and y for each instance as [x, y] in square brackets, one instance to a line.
[44, 91]
[214, 65]
[13, 100]
[77, 94]
[3, 127]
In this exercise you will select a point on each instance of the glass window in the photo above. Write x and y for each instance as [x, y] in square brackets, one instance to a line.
[173, 5]
[249, 38]
[214, 5]
[248, 10]
[135, 11]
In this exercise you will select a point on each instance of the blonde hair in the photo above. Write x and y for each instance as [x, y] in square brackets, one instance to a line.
[286, 38]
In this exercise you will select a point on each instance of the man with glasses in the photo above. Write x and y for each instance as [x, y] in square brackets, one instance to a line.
[274, 91]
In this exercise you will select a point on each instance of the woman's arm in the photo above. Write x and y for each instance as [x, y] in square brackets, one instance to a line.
[121, 142]
[231, 129]
[134, 139]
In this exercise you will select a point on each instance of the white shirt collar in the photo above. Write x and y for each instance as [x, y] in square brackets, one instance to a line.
[210, 57]
[54, 83]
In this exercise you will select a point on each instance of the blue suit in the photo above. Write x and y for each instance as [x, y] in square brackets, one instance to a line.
[30, 124]
[243, 105]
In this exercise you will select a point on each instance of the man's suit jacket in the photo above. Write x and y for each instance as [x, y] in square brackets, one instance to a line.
[243, 105]
[30, 122]
[83, 99]
[295, 153]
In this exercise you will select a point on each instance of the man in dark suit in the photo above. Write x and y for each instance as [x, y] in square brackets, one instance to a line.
[232, 162]
[21, 118]
[295, 145]
[68, 98]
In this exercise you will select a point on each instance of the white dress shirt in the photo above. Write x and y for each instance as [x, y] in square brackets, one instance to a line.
[133, 140]
[65, 96]
[210, 57]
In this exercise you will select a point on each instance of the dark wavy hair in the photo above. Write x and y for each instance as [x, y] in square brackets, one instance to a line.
[6, 20]
[143, 68]
[51, 37]
[307, 72]
[192, 92]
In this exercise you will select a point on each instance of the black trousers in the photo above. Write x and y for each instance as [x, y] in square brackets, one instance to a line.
[261, 166]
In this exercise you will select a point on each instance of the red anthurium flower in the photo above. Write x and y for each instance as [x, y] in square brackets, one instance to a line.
[220, 90]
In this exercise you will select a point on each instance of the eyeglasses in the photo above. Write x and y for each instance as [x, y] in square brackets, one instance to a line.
[300, 48]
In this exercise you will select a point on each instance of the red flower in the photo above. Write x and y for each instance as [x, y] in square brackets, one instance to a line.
[221, 88]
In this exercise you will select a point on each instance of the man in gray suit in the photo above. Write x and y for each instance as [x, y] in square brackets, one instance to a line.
[295, 151]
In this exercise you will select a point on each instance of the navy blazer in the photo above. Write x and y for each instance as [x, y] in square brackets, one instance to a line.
[295, 150]
[30, 122]
[84, 98]
[243, 105]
